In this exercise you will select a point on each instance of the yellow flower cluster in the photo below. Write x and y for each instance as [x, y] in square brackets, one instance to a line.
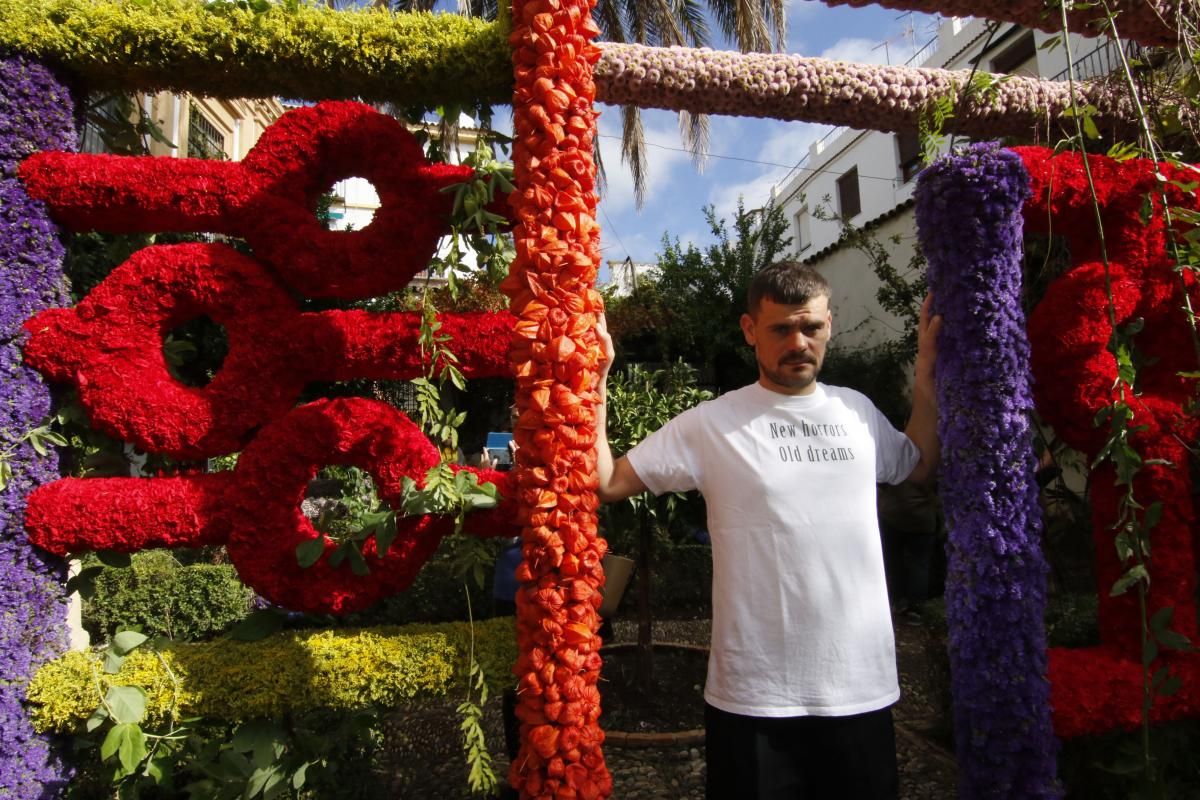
[287, 50]
[290, 672]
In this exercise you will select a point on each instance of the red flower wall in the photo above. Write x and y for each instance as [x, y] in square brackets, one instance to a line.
[110, 348]
[1098, 689]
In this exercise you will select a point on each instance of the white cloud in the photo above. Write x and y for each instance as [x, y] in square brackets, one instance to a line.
[864, 51]
[787, 143]
[658, 129]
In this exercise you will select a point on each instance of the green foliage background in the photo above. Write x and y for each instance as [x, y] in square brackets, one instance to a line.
[162, 597]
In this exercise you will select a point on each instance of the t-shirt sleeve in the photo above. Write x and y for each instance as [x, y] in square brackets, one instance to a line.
[895, 454]
[666, 459]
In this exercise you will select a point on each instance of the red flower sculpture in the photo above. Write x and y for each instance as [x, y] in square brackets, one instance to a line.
[555, 356]
[110, 347]
[255, 509]
[269, 198]
[1097, 689]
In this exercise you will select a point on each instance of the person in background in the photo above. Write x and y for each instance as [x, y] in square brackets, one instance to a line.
[802, 666]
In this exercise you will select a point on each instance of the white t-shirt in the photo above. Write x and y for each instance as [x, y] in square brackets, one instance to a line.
[801, 624]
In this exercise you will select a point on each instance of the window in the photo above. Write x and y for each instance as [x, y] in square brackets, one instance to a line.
[908, 153]
[205, 140]
[1019, 58]
[803, 233]
[847, 188]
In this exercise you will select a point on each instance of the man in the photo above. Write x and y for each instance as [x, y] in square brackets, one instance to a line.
[802, 671]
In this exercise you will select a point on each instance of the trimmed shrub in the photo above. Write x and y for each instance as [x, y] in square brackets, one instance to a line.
[162, 597]
[288, 673]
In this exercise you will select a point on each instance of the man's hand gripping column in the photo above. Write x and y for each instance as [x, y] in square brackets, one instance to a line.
[617, 478]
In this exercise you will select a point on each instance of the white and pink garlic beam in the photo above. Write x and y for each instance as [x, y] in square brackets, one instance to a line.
[1153, 22]
[792, 87]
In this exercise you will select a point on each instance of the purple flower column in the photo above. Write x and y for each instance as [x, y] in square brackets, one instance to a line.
[35, 114]
[969, 224]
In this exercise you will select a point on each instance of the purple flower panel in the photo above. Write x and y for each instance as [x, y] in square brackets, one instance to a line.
[35, 114]
[968, 208]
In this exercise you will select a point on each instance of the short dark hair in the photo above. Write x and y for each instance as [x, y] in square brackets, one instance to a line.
[785, 282]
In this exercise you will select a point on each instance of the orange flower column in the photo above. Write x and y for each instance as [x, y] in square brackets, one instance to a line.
[555, 356]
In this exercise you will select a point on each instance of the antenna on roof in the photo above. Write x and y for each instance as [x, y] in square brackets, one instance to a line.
[907, 33]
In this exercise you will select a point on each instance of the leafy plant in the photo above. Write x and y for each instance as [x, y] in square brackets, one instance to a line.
[690, 311]
[160, 596]
[641, 401]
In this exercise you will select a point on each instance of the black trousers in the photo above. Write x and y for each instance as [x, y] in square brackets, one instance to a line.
[801, 758]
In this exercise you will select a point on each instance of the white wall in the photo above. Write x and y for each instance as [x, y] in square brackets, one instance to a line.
[858, 319]
[882, 189]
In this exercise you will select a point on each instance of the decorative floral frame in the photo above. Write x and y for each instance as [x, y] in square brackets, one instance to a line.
[557, 73]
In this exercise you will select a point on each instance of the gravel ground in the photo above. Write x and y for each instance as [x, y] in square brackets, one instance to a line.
[425, 757]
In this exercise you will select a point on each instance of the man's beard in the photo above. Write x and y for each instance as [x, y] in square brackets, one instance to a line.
[789, 379]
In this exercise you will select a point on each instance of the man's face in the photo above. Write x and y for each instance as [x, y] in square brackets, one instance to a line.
[789, 343]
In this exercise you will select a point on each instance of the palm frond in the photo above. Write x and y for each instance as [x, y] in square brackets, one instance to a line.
[633, 150]
[752, 32]
[405, 5]
[693, 21]
[776, 11]
[693, 129]
[726, 19]
[481, 9]
[601, 173]
[665, 24]
[607, 15]
[637, 21]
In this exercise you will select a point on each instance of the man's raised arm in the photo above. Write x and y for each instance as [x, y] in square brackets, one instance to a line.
[617, 479]
[922, 424]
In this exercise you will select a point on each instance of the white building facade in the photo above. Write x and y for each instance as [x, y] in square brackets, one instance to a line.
[867, 178]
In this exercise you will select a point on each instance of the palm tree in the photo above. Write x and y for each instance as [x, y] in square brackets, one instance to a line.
[752, 25]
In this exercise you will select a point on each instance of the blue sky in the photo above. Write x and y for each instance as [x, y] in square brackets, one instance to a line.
[676, 189]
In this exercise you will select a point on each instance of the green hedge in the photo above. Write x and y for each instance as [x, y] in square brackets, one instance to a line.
[285, 50]
[288, 673]
[162, 597]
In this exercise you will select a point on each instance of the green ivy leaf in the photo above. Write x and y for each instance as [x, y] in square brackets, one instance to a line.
[128, 743]
[263, 738]
[111, 558]
[126, 641]
[358, 564]
[300, 775]
[258, 625]
[126, 704]
[385, 534]
[1130, 578]
[96, 719]
[113, 662]
[309, 552]
[84, 582]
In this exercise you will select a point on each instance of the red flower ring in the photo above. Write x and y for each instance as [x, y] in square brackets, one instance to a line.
[270, 197]
[111, 346]
[301, 156]
[1075, 378]
[272, 475]
[255, 509]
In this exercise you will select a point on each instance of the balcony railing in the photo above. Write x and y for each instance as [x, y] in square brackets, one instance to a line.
[1101, 61]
